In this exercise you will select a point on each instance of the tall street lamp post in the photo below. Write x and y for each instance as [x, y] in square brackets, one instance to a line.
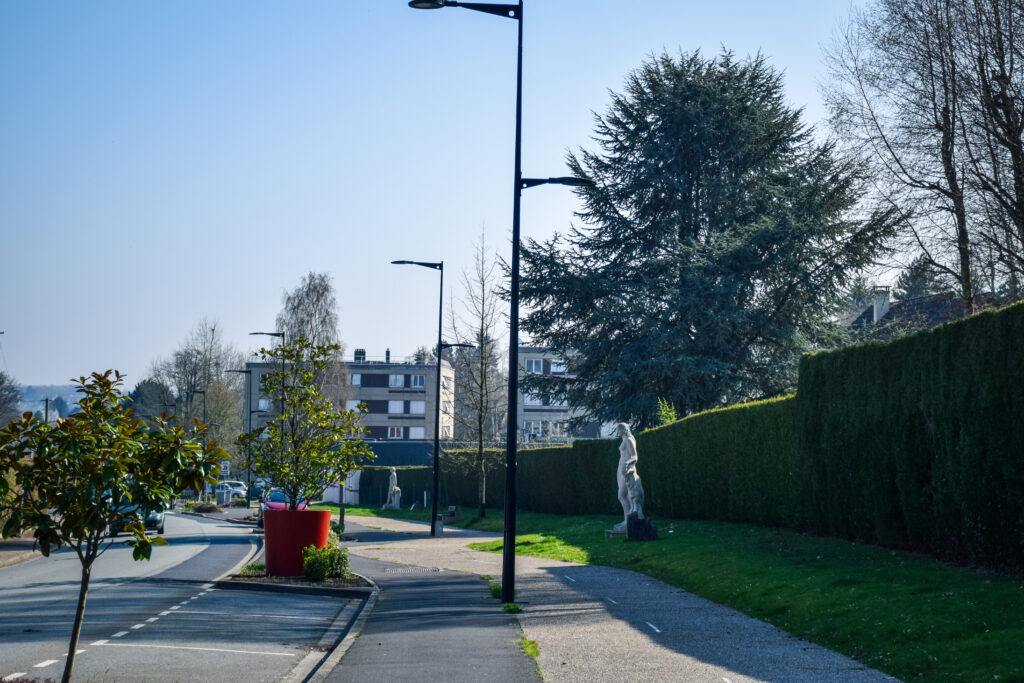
[439, 267]
[508, 565]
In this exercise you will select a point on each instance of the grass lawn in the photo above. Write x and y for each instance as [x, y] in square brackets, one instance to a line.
[908, 615]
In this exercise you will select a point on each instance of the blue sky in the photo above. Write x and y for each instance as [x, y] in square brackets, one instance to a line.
[165, 161]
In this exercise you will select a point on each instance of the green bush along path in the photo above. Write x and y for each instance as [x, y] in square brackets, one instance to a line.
[905, 614]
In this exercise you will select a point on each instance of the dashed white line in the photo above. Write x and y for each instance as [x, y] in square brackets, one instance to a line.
[77, 652]
[177, 606]
[17, 674]
[137, 626]
[656, 629]
[611, 601]
[100, 642]
[184, 602]
[152, 619]
[119, 634]
[570, 578]
[48, 662]
[165, 613]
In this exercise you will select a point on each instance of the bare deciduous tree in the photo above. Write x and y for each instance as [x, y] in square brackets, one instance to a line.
[480, 383]
[897, 96]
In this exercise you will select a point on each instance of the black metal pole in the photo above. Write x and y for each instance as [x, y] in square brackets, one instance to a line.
[508, 563]
[437, 412]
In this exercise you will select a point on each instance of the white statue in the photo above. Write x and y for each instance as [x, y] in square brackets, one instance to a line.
[394, 493]
[631, 491]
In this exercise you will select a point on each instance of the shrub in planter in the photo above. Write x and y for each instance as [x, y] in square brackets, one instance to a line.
[307, 445]
[329, 562]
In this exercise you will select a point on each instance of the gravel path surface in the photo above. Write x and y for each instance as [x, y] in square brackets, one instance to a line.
[603, 624]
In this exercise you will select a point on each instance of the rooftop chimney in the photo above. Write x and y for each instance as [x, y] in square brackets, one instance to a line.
[360, 355]
[387, 355]
[881, 302]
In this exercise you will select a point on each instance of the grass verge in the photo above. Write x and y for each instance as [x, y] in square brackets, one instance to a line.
[529, 646]
[908, 615]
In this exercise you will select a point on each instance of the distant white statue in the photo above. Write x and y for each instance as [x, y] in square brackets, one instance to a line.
[394, 493]
[631, 491]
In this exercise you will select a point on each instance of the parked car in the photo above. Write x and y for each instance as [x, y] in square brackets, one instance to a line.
[153, 518]
[276, 500]
[236, 488]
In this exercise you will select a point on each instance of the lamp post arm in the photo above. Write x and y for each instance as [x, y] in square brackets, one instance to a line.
[508, 11]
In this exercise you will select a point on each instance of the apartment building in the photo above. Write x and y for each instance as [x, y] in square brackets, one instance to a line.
[543, 419]
[400, 396]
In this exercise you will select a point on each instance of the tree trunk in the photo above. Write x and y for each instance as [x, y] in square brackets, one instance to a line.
[481, 474]
[83, 590]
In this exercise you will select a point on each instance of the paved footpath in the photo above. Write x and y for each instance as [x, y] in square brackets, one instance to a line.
[603, 624]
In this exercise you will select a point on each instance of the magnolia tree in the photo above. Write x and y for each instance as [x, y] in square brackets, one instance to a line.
[98, 469]
[308, 444]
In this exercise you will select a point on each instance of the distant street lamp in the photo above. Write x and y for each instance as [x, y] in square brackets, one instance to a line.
[248, 429]
[508, 570]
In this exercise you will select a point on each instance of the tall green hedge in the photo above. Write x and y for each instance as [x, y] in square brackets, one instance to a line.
[413, 480]
[569, 480]
[460, 478]
[735, 464]
[919, 443]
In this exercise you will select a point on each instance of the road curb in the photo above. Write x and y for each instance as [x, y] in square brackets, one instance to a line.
[333, 658]
[19, 558]
[205, 515]
[331, 591]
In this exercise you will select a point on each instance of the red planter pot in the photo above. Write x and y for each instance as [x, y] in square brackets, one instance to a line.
[287, 532]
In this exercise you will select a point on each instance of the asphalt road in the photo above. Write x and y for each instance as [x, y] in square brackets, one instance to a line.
[160, 620]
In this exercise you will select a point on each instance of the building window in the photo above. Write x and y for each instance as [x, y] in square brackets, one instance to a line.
[396, 407]
[532, 427]
[446, 382]
[446, 407]
[531, 400]
[556, 429]
[535, 365]
[417, 432]
[446, 432]
[264, 404]
[394, 432]
[352, 404]
[557, 367]
[356, 379]
[419, 381]
[417, 407]
[396, 381]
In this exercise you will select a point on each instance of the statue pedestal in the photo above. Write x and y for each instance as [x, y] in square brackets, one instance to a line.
[640, 529]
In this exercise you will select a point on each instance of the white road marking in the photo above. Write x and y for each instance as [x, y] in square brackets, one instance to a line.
[165, 613]
[570, 578]
[77, 652]
[184, 602]
[177, 606]
[48, 662]
[656, 629]
[11, 677]
[152, 619]
[207, 585]
[119, 634]
[137, 626]
[723, 677]
[203, 649]
[611, 601]
[100, 642]
[266, 616]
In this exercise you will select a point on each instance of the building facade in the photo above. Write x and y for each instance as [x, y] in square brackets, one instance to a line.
[400, 396]
[543, 419]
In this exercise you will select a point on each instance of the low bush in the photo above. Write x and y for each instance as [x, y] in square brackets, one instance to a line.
[203, 507]
[239, 503]
[329, 562]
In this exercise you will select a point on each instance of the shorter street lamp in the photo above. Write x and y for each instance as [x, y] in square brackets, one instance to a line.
[248, 429]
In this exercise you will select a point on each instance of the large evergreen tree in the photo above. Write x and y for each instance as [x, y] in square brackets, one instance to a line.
[717, 240]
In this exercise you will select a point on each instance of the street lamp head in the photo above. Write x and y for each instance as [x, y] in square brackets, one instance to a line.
[425, 264]
[426, 4]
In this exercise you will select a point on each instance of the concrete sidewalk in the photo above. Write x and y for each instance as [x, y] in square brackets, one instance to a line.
[599, 623]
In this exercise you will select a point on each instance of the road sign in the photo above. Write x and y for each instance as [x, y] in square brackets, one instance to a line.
[225, 468]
